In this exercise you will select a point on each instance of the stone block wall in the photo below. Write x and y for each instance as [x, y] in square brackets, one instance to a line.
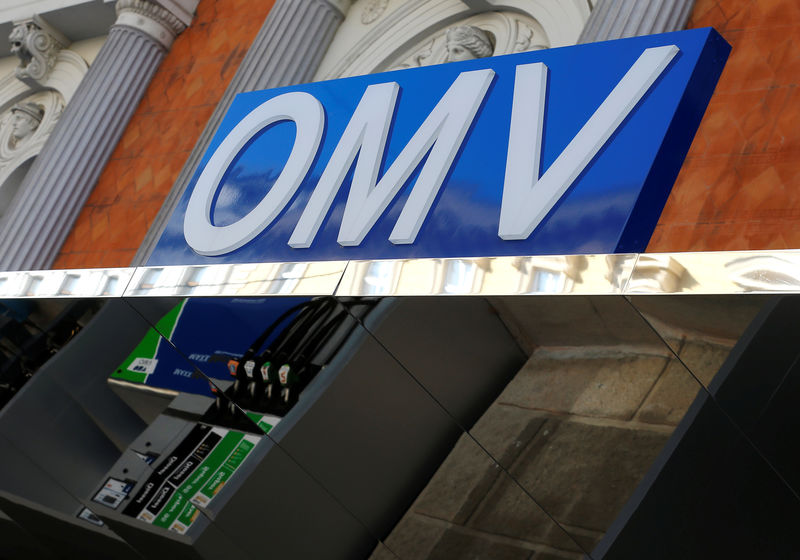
[575, 430]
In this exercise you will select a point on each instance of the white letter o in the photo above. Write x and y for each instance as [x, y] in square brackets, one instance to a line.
[309, 116]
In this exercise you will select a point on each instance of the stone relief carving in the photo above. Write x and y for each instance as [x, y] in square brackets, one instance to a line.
[36, 45]
[25, 119]
[412, 32]
[467, 42]
[45, 62]
[24, 128]
[373, 10]
[32, 97]
[525, 39]
[487, 34]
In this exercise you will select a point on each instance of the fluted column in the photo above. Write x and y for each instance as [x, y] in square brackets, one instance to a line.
[65, 172]
[615, 19]
[287, 50]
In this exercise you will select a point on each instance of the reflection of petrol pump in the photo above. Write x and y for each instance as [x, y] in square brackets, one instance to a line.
[225, 352]
[311, 410]
[270, 381]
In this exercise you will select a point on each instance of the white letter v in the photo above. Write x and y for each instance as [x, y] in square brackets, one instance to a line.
[527, 198]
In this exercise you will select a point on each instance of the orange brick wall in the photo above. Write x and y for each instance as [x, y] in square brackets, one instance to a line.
[162, 133]
[739, 188]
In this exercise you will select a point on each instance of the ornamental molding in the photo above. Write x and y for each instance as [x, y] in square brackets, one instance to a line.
[151, 19]
[508, 32]
[373, 10]
[32, 98]
[25, 126]
[402, 34]
[45, 62]
[37, 45]
[182, 9]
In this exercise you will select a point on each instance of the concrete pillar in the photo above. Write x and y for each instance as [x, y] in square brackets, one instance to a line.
[69, 165]
[287, 50]
[615, 19]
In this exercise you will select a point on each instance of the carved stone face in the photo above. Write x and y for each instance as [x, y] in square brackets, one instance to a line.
[466, 42]
[17, 40]
[457, 52]
[22, 125]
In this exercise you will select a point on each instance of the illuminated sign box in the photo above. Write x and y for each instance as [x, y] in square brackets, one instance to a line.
[560, 151]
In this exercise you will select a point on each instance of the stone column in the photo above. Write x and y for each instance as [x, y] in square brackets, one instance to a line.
[65, 172]
[615, 19]
[287, 50]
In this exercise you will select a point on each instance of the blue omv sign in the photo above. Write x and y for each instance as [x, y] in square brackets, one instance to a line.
[560, 151]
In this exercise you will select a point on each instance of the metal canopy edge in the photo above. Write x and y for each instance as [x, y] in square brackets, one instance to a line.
[724, 272]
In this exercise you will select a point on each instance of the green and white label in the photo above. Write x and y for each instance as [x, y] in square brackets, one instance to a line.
[264, 421]
[224, 471]
[142, 361]
[173, 505]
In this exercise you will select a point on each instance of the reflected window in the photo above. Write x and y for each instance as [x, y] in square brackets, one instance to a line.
[110, 286]
[378, 279]
[69, 284]
[547, 281]
[459, 276]
[33, 285]
[288, 276]
[197, 277]
[150, 278]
